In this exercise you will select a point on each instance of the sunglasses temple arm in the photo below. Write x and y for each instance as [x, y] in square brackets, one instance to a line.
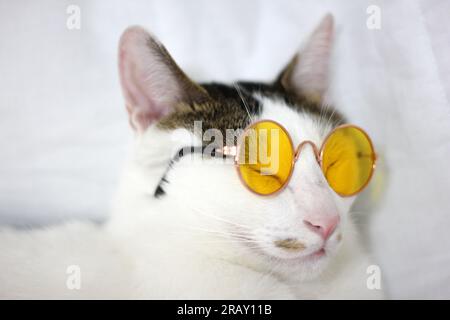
[226, 151]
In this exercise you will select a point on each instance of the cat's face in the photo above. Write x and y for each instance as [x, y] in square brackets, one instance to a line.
[295, 231]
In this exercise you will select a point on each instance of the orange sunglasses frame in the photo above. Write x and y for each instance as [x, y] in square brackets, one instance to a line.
[318, 153]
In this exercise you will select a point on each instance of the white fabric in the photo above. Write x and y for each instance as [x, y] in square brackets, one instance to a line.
[64, 133]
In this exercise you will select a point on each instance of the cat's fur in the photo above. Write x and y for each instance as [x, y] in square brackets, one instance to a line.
[189, 228]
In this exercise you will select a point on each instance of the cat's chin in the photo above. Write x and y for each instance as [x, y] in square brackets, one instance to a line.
[306, 267]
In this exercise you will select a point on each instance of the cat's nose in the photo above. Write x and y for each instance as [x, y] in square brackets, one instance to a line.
[324, 225]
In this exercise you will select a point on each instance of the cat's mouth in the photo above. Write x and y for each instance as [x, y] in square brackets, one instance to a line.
[319, 253]
[290, 252]
[313, 256]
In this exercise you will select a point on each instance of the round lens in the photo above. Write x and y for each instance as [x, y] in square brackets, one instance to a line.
[348, 160]
[265, 157]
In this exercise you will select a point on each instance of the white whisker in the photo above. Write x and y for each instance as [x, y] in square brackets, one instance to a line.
[236, 86]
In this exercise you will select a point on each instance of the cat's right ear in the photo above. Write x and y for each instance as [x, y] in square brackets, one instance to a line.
[152, 83]
[307, 74]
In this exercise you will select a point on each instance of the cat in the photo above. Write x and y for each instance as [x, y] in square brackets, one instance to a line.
[186, 227]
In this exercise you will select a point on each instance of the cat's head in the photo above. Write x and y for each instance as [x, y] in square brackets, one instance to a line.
[297, 230]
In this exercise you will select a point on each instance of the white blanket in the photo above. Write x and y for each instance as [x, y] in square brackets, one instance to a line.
[64, 135]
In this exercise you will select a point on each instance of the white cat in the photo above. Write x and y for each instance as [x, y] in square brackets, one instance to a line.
[186, 227]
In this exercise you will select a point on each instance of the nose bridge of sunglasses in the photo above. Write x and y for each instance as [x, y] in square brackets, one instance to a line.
[302, 145]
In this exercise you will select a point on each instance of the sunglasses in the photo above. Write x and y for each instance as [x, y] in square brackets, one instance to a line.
[265, 158]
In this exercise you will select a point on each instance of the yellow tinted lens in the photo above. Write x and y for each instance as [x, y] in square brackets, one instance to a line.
[347, 161]
[265, 157]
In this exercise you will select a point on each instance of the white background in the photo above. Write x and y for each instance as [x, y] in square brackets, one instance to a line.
[64, 134]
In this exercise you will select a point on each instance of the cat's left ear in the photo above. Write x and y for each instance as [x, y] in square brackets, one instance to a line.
[152, 83]
[307, 74]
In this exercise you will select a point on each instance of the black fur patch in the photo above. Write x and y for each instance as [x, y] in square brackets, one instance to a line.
[232, 106]
[226, 109]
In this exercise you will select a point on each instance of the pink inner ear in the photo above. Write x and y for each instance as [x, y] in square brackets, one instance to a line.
[148, 85]
[310, 75]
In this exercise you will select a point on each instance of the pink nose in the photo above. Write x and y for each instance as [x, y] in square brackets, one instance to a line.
[323, 225]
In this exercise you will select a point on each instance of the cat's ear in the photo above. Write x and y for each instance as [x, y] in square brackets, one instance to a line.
[307, 74]
[152, 83]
